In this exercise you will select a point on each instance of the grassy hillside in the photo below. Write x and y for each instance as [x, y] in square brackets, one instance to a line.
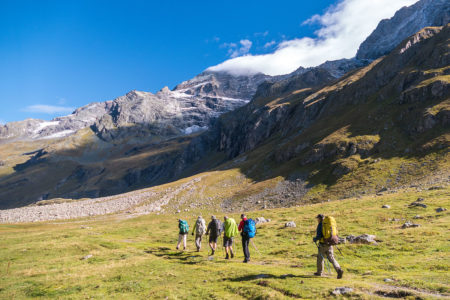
[136, 258]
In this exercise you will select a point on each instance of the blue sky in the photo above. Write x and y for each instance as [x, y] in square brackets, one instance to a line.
[59, 55]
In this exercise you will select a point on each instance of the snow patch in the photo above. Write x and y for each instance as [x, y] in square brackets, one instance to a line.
[45, 124]
[194, 128]
[59, 134]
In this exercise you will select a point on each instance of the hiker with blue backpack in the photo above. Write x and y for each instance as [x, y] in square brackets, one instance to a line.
[182, 235]
[247, 227]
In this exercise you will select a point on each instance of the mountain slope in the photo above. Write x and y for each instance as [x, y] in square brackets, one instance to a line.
[381, 127]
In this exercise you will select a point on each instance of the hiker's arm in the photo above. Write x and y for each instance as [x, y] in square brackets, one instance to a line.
[208, 228]
[319, 233]
[193, 228]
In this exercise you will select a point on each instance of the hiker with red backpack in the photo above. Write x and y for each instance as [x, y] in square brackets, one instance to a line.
[326, 234]
[214, 229]
[199, 229]
[247, 227]
[182, 235]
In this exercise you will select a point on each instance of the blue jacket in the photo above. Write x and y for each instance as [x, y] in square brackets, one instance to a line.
[319, 233]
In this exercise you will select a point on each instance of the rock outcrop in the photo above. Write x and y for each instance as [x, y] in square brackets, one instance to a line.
[406, 22]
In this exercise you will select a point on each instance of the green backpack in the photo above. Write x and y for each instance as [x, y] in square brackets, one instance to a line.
[184, 227]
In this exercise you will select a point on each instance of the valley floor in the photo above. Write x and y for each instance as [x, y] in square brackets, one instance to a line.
[135, 258]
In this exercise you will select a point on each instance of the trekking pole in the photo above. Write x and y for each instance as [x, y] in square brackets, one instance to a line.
[339, 251]
[325, 260]
[254, 246]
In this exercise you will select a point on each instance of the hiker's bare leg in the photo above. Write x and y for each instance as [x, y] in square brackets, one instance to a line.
[180, 237]
[184, 241]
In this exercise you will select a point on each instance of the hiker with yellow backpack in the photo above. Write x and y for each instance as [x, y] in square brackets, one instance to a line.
[326, 234]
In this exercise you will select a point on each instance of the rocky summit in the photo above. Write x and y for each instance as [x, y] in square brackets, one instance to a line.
[186, 109]
[403, 24]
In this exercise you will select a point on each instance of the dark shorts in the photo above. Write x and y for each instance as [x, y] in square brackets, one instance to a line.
[227, 241]
[213, 238]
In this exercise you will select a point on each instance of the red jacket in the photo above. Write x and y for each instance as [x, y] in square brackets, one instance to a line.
[241, 224]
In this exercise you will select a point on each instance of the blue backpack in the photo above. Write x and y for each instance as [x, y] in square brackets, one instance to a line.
[184, 227]
[249, 228]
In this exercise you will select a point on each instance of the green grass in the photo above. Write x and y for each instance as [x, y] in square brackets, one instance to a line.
[136, 258]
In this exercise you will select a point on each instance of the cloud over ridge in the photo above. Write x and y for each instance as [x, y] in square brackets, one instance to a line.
[343, 28]
[48, 109]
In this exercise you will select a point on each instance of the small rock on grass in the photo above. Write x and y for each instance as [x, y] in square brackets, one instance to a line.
[417, 217]
[386, 206]
[290, 224]
[342, 291]
[409, 225]
[388, 280]
[87, 257]
[418, 204]
[440, 209]
[362, 239]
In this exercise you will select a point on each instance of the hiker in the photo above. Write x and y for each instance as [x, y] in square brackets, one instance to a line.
[245, 237]
[325, 247]
[230, 231]
[213, 230]
[182, 235]
[199, 229]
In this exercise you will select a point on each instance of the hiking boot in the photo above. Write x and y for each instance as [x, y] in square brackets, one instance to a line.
[227, 257]
[232, 254]
[213, 251]
[246, 260]
[177, 248]
[317, 274]
[340, 273]
[198, 249]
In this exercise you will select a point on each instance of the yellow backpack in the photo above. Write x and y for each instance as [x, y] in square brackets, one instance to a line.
[329, 231]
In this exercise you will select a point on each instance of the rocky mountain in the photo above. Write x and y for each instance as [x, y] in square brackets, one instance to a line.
[331, 136]
[184, 110]
[316, 128]
[404, 23]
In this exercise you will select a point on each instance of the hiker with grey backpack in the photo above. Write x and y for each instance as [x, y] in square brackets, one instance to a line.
[326, 235]
[200, 230]
[214, 229]
[183, 232]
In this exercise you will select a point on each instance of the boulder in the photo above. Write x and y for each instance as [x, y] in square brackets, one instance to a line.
[440, 209]
[87, 257]
[367, 239]
[386, 206]
[342, 291]
[290, 224]
[261, 220]
[409, 225]
[417, 204]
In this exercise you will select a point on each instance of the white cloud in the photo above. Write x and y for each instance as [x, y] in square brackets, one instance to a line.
[235, 50]
[343, 28]
[48, 109]
[269, 44]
